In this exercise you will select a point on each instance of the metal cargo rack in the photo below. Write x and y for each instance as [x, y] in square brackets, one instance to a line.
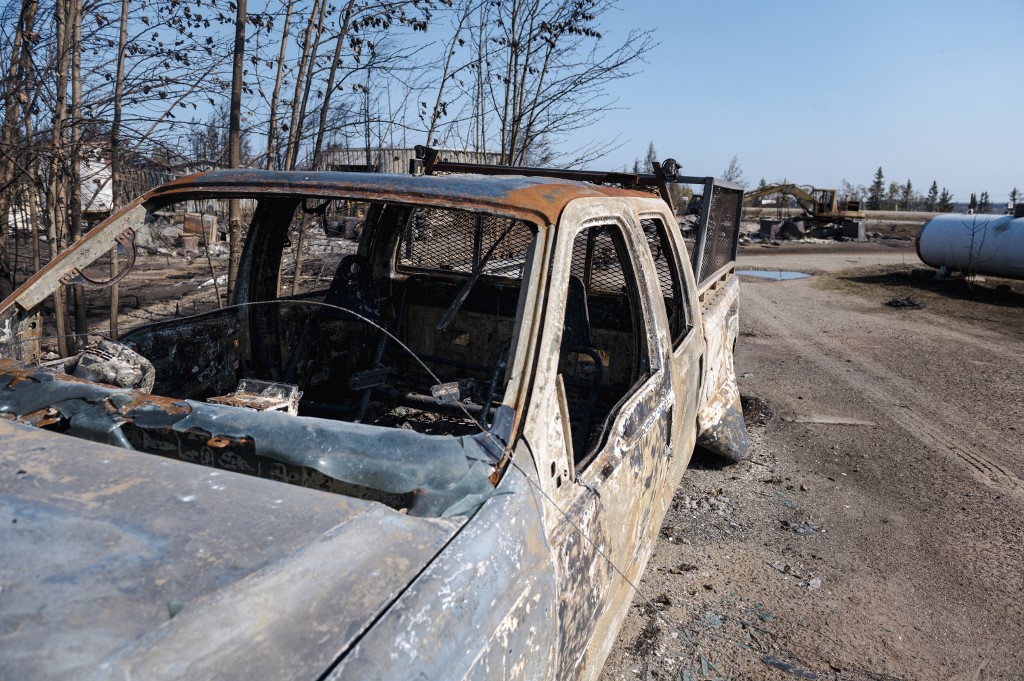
[718, 225]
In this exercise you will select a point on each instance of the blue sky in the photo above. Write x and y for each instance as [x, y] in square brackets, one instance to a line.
[815, 92]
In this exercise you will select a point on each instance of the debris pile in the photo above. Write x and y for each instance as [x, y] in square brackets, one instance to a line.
[905, 303]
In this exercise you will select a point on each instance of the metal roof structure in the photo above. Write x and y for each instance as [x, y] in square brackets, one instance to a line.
[533, 198]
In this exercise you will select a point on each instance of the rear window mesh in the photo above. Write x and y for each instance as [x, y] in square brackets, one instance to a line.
[661, 259]
[459, 241]
[597, 263]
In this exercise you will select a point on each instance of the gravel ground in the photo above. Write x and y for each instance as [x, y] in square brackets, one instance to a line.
[876, 530]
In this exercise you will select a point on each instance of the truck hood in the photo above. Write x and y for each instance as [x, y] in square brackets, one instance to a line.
[120, 564]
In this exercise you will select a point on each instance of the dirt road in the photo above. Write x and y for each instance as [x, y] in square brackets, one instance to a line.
[877, 530]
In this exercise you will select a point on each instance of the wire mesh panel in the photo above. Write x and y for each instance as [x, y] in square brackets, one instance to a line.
[723, 224]
[462, 241]
[670, 283]
[666, 281]
[595, 260]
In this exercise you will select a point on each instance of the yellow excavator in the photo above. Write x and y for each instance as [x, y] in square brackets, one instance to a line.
[820, 206]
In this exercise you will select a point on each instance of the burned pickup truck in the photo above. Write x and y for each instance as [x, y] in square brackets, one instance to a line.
[443, 458]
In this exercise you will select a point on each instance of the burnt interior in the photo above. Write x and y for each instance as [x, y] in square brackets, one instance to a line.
[413, 331]
[342, 344]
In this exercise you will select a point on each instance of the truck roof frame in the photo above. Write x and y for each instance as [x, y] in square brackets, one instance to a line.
[665, 173]
[537, 199]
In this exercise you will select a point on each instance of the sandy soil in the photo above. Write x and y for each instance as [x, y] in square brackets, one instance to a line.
[876, 530]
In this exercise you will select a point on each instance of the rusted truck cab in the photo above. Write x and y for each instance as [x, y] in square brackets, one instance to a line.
[513, 369]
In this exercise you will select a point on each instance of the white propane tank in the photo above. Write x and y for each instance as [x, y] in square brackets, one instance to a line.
[974, 244]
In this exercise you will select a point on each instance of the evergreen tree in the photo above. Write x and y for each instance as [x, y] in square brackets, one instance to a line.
[907, 196]
[650, 159]
[984, 203]
[1014, 199]
[892, 197]
[762, 184]
[933, 197]
[945, 204]
[877, 191]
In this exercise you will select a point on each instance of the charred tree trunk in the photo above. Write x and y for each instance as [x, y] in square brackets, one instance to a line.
[481, 99]
[235, 147]
[75, 157]
[272, 132]
[7, 135]
[322, 124]
[298, 118]
[366, 121]
[16, 108]
[116, 179]
[56, 196]
[310, 76]
[435, 114]
[294, 129]
[33, 199]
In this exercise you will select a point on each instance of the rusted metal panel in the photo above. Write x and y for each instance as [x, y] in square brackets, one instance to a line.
[91, 246]
[536, 199]
[720, 423]
[185, 572]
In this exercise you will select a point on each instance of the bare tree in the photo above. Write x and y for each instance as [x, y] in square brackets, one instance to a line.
[907, 196]
[851, 191]
[16, 108]
[272, 131]
[75, 182]
[56, 202]
[536, 63]
[339, 42]
[303, 81]
[115, 158]
[734, 172]
[235, 144]
[112, 77]
[463, 13]
[976, 236]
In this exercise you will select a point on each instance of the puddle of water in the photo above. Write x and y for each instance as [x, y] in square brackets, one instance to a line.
[779, 275]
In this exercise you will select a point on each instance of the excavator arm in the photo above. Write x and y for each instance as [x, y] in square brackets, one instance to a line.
[814, 202]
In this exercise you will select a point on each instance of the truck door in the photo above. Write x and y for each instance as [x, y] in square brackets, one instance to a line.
[604, 416]
[677, 289]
